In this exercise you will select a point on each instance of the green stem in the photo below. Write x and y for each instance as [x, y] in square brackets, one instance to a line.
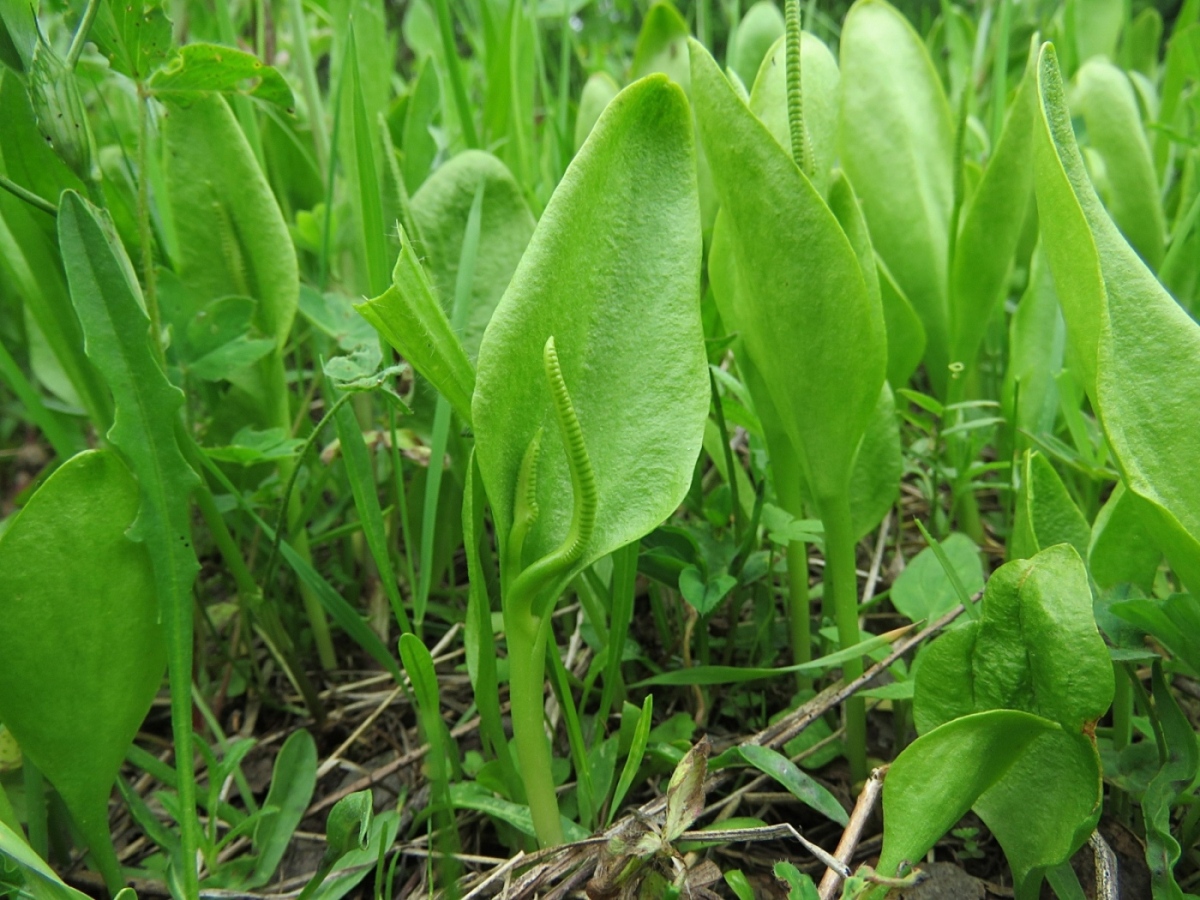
[526, 636]
[28, 196]
[454, 65]
[841, 598]
[799, 621]
[308, 80]
[144, 234]
[1122, 730]
[81, 33]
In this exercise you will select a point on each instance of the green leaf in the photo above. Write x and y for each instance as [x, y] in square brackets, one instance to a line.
[897, 145]
[472, 795]
[361, 474]
[939, 776]
[1064, 771]
[293, 779]
[820, 84]
[200, 69]
[738, 674]
[1036, 648]
[1045, 512]
[1114, 131]
[115, 326]
[363, 172]
[1036, 342]
[1177, 773]
[760, 28]
[685, 791]
[1174, 622]
[348, 826]
[231, 236]
[662, 44]
[250, 447]
[1128, 334]
[923, 591]
[637, 750]
[802, 786]
[441, 209]
[704, 596]
[992, 222]
[40, 881]
[598, 92]
[612, 274]
[83, 650]
[411, 319]
[420, 147]
[134, 36]
[784, 235]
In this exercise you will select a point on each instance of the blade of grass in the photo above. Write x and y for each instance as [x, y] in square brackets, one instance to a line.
[454, 69]
[705, 675]
[637, 750]
[584, 791]
[479, 611]
[624, 578]
[357, 460]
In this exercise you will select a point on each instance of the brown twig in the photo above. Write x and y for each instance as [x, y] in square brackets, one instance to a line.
[853, 833]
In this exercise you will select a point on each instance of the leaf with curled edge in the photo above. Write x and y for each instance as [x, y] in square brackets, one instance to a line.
[1136, 347]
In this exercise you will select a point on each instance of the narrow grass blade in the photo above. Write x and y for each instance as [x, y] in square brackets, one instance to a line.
[362, 485]
[637, 749]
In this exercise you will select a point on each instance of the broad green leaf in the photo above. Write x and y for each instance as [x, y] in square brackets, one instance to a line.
[923, 592]
[704, 596]
[200, 69]
[115, 327]
[598, 92]
[662, 45]
[440, 209]
[1036, 649]
[1121, 549]
[82, 645]
[231, 235]
[875, 478]
[1045, 513]
[135, 37]
[760, 28]
[612, 274]
[802, 786]
[1114, 131]
[784, 236]
[992, 222]
[1096, 25]
[819, 79]
[1133, 341]
[939, 776]
[1063, 770]
[293, 779]
[897, 145]
[411, 319]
